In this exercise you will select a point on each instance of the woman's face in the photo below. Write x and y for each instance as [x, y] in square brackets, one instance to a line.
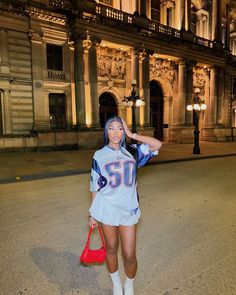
[115, 132]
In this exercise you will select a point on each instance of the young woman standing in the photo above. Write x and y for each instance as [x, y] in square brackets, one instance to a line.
[114, 196]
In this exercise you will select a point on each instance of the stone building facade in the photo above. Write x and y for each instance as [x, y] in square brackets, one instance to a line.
[65, 66]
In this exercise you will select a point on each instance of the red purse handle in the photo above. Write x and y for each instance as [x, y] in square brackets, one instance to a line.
[100, 232]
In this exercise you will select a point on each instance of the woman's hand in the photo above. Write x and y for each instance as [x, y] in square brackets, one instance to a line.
[126, 129]
[92, 222]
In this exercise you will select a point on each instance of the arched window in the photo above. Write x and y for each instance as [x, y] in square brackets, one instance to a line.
[156, 109]
[107, 107]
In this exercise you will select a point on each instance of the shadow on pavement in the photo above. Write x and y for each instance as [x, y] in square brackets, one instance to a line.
[64, 270]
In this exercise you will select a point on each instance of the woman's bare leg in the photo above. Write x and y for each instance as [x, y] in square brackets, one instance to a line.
[112, 242]
[128, 246]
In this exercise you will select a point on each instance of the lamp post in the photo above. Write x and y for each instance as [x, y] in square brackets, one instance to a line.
[196, 106]
[133, 101]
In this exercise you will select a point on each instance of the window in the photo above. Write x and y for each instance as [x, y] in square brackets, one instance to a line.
[169, 16]
[54, 57]
[155, 10]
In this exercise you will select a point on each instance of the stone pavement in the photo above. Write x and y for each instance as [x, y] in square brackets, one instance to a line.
[21, 166]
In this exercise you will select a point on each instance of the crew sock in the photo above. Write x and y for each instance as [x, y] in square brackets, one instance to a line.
[129, 286]
[117, 286]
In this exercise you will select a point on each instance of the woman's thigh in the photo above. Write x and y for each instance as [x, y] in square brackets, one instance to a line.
[128, 240]
[111, 236]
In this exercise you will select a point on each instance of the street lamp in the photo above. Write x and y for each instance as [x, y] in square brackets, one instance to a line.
[197, 106]
[133, 101]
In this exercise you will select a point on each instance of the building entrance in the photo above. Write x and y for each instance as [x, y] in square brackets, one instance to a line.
[57, 110]
[108, 107]
[156, 109]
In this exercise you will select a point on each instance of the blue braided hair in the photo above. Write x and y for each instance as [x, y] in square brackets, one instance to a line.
[107, 124]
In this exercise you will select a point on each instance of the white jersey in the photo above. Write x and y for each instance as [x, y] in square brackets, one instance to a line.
[113, 177]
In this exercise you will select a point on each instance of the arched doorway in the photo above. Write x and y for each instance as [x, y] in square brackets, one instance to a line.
[108, 107]
[156, 109]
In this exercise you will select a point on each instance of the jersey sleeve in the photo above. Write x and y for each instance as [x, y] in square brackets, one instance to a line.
[144, 154]
[97, 180]
[95, 173]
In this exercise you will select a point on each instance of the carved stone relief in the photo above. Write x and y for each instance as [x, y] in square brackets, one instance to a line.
[199, 79]
[111, 67]
[164, 69]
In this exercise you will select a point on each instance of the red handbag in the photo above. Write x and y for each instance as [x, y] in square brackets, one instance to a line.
[91, 256]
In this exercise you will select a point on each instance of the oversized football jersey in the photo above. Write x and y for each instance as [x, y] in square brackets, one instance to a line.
[113, 177]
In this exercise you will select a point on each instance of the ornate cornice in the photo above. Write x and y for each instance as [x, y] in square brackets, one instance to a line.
[46, 15]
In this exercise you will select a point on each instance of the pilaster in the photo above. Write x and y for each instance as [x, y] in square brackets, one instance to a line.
[213, 97]
[189, 89]
[79, 80]
[220, 88]
[145, 84]
[41, 117]
[179, 103]
[93, 82]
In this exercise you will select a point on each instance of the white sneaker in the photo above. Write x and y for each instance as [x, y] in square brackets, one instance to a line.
[117, 290]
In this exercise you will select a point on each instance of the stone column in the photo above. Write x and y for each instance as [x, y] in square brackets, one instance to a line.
[68, 109]
[93, 81]
[6, 114]
[163, 13]
[189, 90]
[4, 64]
[227, 41]
[182, 14]
[41, 112]
[207, 98]
[135, 66]
[213, 97]
[216, 20]
[220, 93]
[79, 81]
[146, 86]
[135, 76]
[188, 15]
[179, 104]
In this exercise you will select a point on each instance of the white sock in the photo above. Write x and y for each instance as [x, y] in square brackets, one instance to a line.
[129, 286]
[117, 286]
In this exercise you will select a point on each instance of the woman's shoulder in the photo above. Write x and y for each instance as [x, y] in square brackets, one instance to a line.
[101, 152]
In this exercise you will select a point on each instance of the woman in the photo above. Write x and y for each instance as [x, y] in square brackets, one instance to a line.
[114, 196]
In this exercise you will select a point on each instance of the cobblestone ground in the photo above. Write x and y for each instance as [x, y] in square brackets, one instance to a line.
[186, 237]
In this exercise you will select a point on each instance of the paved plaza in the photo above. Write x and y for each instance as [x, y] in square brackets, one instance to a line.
[21, 166]
[186, 236]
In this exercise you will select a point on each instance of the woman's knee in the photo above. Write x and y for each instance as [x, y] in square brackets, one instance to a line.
[129, 258]
[111, 248]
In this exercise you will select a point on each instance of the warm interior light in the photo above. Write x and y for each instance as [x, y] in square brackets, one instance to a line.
[138, 103]
[196, 107]
[189, 107]
[203, 107]
[133, 82]
[130, 103]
